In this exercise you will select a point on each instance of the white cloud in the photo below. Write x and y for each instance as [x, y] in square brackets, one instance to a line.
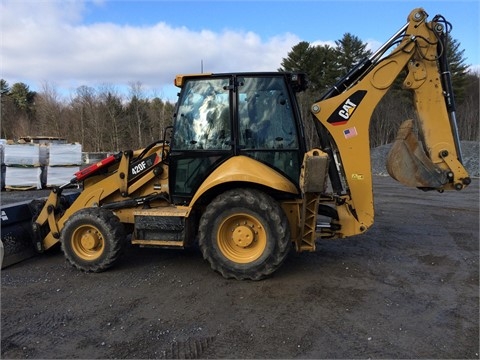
[330, 43]
[46, 42]
[373, 45]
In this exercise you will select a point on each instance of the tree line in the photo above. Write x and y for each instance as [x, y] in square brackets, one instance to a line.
[324, 64]
[101, 119]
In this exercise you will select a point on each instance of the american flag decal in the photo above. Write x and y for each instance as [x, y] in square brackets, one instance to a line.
[350, 132]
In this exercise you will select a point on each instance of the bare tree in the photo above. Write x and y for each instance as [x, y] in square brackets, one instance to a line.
[468, 109]
[112, 111]
[86, 105]
[136, 110]
[49, 112]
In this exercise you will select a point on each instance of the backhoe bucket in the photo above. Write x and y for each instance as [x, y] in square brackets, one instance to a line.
[408, 163]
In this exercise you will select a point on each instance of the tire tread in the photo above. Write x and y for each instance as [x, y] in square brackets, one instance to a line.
[275, 216]
[115, 235]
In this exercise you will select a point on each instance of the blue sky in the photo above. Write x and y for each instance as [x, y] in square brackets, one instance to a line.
[309, 19]
[60, 45]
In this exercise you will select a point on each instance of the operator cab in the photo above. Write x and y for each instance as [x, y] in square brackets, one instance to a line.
[219, 116]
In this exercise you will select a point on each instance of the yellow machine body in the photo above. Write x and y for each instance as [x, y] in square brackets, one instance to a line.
[247, 200]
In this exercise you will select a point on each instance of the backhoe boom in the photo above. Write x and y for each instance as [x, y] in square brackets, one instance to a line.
[344, 114]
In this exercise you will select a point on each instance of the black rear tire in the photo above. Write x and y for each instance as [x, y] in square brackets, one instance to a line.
[244, 234]
[93, 239]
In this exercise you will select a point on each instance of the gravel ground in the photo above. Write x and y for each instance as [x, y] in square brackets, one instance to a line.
[406, 289]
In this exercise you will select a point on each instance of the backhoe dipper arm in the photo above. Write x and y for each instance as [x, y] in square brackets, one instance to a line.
[345, 111]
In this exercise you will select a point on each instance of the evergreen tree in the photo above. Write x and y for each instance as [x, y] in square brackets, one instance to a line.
[458, 68]
[23, 98]
[7, 109]
[298, 59]
[350, 50]
[4, 87]
[319, 62]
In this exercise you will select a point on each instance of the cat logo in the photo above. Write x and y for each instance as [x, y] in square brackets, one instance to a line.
[345, 111]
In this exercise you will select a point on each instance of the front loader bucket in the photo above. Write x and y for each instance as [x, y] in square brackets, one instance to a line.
[16, 233]
[408, 163]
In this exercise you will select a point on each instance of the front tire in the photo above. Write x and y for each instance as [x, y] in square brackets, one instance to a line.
[93, 239]
[244, 234]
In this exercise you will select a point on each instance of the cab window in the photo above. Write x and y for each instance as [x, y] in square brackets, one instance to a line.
[267, 127]
[203, 116]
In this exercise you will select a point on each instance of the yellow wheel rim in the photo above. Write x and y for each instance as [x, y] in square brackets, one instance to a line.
[241, 238]
[87, 242]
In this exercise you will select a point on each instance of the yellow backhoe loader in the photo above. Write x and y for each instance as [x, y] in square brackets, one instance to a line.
[234, 175]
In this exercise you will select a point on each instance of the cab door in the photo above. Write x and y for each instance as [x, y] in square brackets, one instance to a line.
[268, 123]
[202, 135]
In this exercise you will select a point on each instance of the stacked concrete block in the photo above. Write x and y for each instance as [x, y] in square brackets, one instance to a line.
[64, 160]
[3, 142]
[23, 166]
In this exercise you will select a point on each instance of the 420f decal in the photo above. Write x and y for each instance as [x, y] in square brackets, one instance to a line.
[143, 165]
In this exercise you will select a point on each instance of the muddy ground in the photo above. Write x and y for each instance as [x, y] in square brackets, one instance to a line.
[408, 288]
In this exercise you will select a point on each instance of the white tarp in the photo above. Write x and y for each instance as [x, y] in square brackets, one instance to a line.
[22, 155]
[23, 177]
[60, 175]
[39, 165]
[3, 142]
[65, 154]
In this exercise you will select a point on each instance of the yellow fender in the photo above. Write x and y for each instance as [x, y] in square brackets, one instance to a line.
[245, 169]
